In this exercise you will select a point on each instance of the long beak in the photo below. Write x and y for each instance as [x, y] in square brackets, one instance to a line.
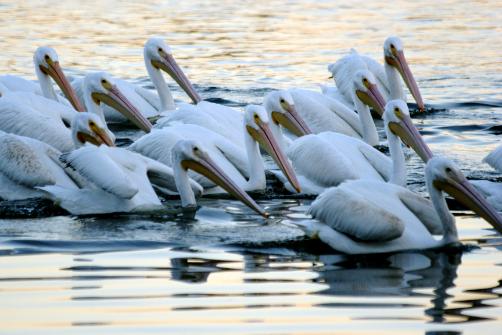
[209, 169]
[102, 136]
[400, 63]
[118, 101]
[169, 65]
[409, 134]
[466, 194]
[373, 98]
[55, 71]
[292, 121]
[264, 137]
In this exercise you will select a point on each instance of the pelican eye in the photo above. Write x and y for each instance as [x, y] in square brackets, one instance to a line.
[396, 109]
[46, 57]
[103, 81]
[282, 101]
[448, 170]
[365, 81]
[392, 46]
[160, 49]
[92, 124]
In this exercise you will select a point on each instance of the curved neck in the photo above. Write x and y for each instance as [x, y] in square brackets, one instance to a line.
[449, 228]
[166, 98]
[183, 185]
[256, 168]
[370, 134]
[45, 84]
[394, 81]
[398, 175]
[91, 106]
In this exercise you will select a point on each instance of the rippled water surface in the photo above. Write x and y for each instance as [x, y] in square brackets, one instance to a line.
[226, 271]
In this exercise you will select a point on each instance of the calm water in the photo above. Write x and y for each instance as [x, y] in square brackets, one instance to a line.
[226, 271]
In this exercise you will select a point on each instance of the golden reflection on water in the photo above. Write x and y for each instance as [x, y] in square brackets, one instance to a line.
[262, 43]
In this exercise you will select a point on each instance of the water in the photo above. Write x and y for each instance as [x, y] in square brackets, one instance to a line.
[226, 271]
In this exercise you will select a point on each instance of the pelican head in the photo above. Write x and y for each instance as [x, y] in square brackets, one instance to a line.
[47, 63]
[394, 56]
[397, 120]
[281, 108]
[191, 156]
[159, 55]
[88, 127]
[367, 91]
[257, 126]
[102, 88]
[443, 175]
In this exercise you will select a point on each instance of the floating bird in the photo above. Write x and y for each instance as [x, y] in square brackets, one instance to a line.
[187, 154]
[387, 76]
[339, 157]
[28, 164]
[157, 57]
[17, 115]
[243, 165]
[46, 67]
[321, 113]
[120, 180]
[362, 216]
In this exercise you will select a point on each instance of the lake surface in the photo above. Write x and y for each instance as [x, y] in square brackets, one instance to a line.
[227, 271]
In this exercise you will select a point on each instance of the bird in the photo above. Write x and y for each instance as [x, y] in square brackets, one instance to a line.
[100, 87]
[339, 157]
[122, 181]
[28, 163]
[365, 216]
[244, 165]
[387, 76]
[188, 154]
[321, 113]
[492, 191]
[19, 116]
[47, 66]
[157, 57]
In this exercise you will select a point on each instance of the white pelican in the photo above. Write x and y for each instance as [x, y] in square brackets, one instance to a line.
[47, 66]
[244, 167]
[365, 216]
[188, 154]
[492, 190]
[321, 113]
[339, 157]
[387, 76]
[120, 180]
[157, 57]
[17, 115]
[27, 163]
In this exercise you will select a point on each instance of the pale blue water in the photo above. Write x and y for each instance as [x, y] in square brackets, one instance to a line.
[226, 271]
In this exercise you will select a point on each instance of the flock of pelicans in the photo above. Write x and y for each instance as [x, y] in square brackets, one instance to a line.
[58, 146]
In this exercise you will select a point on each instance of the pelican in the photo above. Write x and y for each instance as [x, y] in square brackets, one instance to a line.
[27, 163]
[157, 57]
[245, 168]
[218, 118]
[492, 190]
[387, 76]
[101, 87]
[120, 180]
[19, 116]
[363, 216]
[339, 157]
[46, 67]
[321, 113]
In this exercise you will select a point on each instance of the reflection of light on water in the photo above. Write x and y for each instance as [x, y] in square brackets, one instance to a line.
[261, 43]
[452, 48]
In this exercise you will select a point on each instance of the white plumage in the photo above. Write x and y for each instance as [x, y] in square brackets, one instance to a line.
[27, 164]
[119, 181]
[373, 217]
